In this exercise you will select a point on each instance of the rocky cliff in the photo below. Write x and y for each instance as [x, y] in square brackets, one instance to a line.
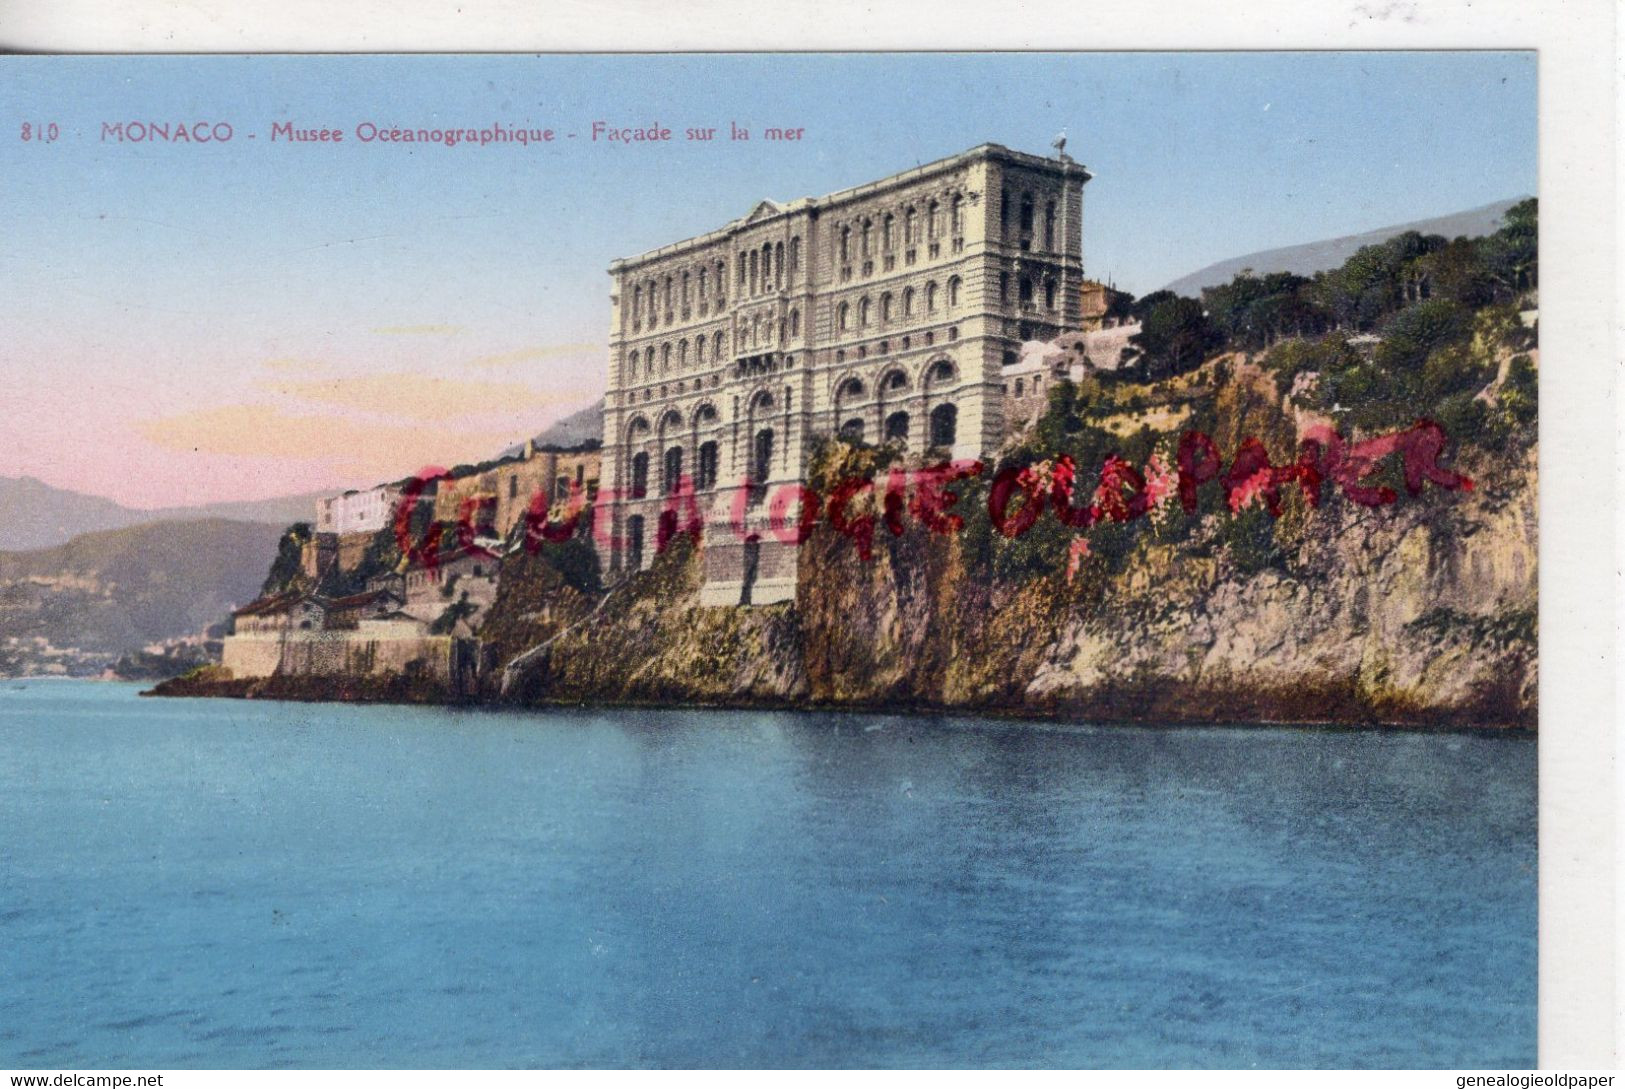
[1420, 612]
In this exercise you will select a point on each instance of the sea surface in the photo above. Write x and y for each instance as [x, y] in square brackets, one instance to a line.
[218, 883]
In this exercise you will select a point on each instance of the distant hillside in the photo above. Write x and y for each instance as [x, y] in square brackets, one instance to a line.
[1312, 257]
[109, 591]
[33, 514]
[576, 428]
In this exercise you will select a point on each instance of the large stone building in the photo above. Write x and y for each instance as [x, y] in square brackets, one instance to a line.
[888, 311]
[498, 496]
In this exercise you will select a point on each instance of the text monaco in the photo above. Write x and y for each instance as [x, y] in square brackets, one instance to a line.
[1017, 498]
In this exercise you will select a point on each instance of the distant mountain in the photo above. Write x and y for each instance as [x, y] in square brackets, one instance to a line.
[572, 430]
[33, 514]
[1312, 257]
[576, 428]
[106, 592]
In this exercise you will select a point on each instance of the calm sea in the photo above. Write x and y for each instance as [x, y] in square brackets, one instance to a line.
[235, 884]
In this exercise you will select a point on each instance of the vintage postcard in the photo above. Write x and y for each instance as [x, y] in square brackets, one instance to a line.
[727, 560]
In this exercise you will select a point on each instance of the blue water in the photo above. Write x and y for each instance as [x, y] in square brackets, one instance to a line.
[191, 883]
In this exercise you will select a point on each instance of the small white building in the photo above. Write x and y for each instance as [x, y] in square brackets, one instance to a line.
[366, 511]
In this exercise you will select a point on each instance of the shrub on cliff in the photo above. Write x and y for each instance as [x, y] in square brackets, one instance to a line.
[286, 572]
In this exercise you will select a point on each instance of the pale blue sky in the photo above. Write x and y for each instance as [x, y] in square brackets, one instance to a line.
[160, 279]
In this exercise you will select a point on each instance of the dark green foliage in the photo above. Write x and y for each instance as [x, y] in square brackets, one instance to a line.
[1294, 357]
[1175, 336]
[1518, 395]
[1250, 536]
[285, 568]
[576, 561]
[1254, 312]
[1416, 331]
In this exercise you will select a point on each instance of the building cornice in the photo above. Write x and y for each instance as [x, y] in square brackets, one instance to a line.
[750, 221]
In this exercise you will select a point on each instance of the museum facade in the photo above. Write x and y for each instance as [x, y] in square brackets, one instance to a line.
[887, 312]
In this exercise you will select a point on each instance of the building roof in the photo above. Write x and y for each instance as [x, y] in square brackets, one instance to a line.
[764, 210]
[362, 600]
[272, 604]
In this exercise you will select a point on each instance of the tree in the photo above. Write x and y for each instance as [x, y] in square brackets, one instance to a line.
[1143, 305]
[1512, 254]
[287, 569]
[1174, 337]
[1417, 331]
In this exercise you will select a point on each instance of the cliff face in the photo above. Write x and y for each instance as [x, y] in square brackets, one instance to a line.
[1421, 612]
[651, 642]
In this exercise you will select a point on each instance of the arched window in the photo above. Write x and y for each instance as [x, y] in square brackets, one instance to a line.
[702, 281]
[716, 346]
[941, 372]
[863, 245]
[668, 297]
[845, 245]
[708, 466]
[933, 221]
[699, 349]
[682, 353]
[755, 273]
[957, 214]
[761, 465]
[849, 391]
[685, 290]
[1049, 225]
[908, 302]
[795, 323]
[672, 470]
[640, 475]
[637, 302]
[885, 307]
[665, 358]
[953, 291]
[887, 228]
[649, 362]
[931, 297]
[944, 424]
[863, 312]
[742, 265]
[1026, 214]
[852, 430]
[778, 263]
[795, 257]
[841, 314]
[911, 226]
[895, 380]
[897, 427]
